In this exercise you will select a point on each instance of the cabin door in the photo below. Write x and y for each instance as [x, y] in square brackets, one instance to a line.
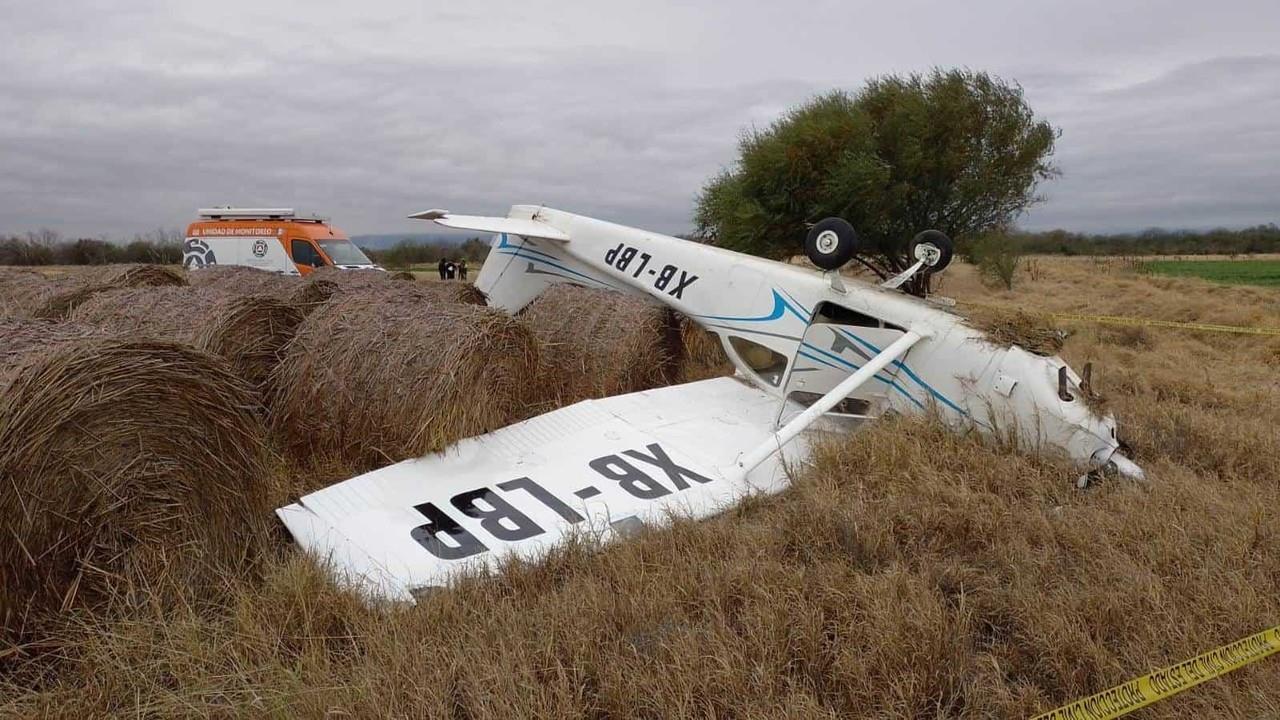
[837, 343]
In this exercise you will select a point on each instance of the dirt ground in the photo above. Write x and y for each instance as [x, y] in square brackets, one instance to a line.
[911, 573]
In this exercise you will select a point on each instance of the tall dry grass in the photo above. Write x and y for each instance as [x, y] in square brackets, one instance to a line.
[909, 573]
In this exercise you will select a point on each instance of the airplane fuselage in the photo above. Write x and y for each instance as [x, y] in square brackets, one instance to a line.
[819, 329]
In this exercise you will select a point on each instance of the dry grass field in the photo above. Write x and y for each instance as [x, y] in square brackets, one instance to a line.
[910, 573]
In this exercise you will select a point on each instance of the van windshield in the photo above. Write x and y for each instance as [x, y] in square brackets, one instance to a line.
[343, 252]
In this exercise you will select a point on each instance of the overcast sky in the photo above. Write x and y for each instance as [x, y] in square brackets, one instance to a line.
[117, 117]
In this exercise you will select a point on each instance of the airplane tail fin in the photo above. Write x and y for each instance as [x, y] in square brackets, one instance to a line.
[518, 269]
[525, 257]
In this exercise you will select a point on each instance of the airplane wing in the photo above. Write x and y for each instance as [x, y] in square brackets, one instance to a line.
[513, 226]
[603, 467]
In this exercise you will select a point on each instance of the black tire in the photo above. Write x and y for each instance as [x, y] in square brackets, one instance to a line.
[831, 243]
[945, 249]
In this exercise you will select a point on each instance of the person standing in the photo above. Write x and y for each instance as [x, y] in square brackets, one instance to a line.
[462, 269]
[449, 269]
[441, 267]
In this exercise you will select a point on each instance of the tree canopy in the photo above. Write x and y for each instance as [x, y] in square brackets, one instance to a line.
[955, 150]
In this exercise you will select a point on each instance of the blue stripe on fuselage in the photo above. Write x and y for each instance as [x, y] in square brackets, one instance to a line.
[927, 387]
[891, 383]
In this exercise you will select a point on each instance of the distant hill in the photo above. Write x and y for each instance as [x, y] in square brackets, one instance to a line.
[390, 240]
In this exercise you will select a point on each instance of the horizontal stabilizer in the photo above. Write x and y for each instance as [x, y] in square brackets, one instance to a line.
[600, 467]
[514, 226]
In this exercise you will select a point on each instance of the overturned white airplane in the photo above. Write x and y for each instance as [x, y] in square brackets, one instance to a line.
[812, 350]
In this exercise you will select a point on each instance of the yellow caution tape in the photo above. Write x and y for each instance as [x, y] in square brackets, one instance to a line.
[1141, 692]
[1121, 320]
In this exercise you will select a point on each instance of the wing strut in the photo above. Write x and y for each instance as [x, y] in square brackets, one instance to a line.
[896, 281]
[748, 461]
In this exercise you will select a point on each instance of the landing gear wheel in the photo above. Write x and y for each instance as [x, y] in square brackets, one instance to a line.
[831, 243]
[934, 247]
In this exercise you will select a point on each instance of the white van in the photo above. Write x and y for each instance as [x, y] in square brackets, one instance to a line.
[274, 239]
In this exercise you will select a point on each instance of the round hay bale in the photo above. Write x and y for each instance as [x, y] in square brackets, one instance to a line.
[701, 355]
[19, 338]
[123, 464]
[77, 287]
[465, 293]
[250, 331]
[22, 291]
[245, 280]
[135, 276]
[379, 378]
[66, 297]
[597, 343]
[325, 283]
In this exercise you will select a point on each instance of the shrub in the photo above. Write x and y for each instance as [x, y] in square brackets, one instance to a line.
[998, 257]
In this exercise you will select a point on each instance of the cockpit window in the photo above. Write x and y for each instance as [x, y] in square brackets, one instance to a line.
[768, 365]
[839, 315]
[856, 407]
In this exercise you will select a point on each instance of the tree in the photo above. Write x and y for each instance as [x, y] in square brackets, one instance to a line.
[87, 251]
[474, 249]
[955, 150]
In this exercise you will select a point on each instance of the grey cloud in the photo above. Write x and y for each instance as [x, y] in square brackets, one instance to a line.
[1193, 147]
[114, 121]
[372, 141]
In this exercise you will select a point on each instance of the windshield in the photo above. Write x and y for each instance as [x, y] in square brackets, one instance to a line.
[342, 252]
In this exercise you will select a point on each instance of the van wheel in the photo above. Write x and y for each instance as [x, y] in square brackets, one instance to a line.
[831, 243]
